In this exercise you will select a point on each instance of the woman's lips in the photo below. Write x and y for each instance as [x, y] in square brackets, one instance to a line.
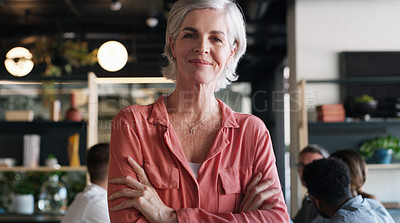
[200, 62]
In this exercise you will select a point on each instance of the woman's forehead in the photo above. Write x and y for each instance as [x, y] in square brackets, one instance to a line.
[205, 19]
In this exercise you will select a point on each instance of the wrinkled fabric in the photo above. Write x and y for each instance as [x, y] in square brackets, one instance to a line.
[89, 206]
[359, 210]
[241, 149]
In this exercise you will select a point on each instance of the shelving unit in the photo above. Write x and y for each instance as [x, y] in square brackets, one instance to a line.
[383, 182]
[30, 218]
[54, 135]
[357, 80]
[54, 139]
[7, 127]
[381, 179]
[392, 166]
[383, 88]
[43, 169]
[347, 135]
[353, 132]
[342, 135]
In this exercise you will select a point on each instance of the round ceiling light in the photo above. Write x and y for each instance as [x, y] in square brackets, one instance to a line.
[112, 56]
[19, 61]
[152, 22]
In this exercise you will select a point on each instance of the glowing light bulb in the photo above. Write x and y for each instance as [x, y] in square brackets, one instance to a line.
[19, 61]
[152, 22]
[112, 56]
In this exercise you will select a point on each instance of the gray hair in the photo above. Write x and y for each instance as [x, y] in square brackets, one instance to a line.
[236, 35]
[315, 148]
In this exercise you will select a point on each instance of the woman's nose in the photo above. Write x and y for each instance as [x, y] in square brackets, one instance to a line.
[202, 47]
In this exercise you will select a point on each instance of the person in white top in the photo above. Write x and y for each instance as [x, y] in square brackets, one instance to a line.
[90, 205]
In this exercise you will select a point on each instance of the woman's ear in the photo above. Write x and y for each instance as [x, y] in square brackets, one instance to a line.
[232, 52]
[171, 45]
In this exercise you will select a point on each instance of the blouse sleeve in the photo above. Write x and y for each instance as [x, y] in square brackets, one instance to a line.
[124, 142]
[264, 162]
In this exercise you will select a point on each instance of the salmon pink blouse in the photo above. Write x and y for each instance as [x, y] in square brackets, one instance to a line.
[241, 149]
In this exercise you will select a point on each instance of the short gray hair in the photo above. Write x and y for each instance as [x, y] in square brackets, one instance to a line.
[237, 34]
[315, 148]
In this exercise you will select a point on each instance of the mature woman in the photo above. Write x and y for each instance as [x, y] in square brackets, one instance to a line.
[188, 157]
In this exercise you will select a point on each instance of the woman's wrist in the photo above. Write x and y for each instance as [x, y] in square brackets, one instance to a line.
[171, 216]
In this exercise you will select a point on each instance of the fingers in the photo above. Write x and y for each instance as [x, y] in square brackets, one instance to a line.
[123, 205]
[252, 184]
[270, 205]
[127, 193]
[261, 197]
[141, 194]
[256, 193]
[139, 171]
[133, 195]
[129, 181]
[147, 203]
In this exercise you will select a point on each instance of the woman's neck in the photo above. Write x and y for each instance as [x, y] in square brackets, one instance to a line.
[192, 101]
[354, 193]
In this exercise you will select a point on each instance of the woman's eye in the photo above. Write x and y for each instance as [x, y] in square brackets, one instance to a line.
[189, 35]
[215, 39]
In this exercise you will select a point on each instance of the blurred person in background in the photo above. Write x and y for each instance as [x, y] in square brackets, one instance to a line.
[358, 170]
[310, 153]
[328, 184]
[90, 206]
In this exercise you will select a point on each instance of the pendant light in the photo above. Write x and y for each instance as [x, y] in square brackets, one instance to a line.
[19, 61]
[112, 56]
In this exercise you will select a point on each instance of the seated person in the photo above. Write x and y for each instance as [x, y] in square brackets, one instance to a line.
[328, 183]
[312, 152]
[91, 204]
[358, 170]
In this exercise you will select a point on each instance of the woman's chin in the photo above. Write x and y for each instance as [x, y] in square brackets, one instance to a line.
[204, 81]
[204, 77]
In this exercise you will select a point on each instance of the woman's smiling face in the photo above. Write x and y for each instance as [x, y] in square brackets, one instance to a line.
[202, 49]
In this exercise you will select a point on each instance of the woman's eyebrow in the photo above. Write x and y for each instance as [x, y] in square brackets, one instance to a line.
[218, 33]
[191, 29]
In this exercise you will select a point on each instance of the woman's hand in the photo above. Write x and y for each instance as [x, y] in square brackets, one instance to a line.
[256, 193]
[142, 196]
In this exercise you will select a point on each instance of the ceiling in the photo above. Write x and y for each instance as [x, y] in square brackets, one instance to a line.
[23, 21]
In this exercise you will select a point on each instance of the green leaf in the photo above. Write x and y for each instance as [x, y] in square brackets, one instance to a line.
[368, 148]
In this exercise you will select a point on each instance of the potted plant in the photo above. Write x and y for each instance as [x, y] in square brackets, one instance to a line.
[60, 56]
[23, 200]
[5, 191]
[51, 161]
[365, 106]
[19, 108]
[381, 149]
